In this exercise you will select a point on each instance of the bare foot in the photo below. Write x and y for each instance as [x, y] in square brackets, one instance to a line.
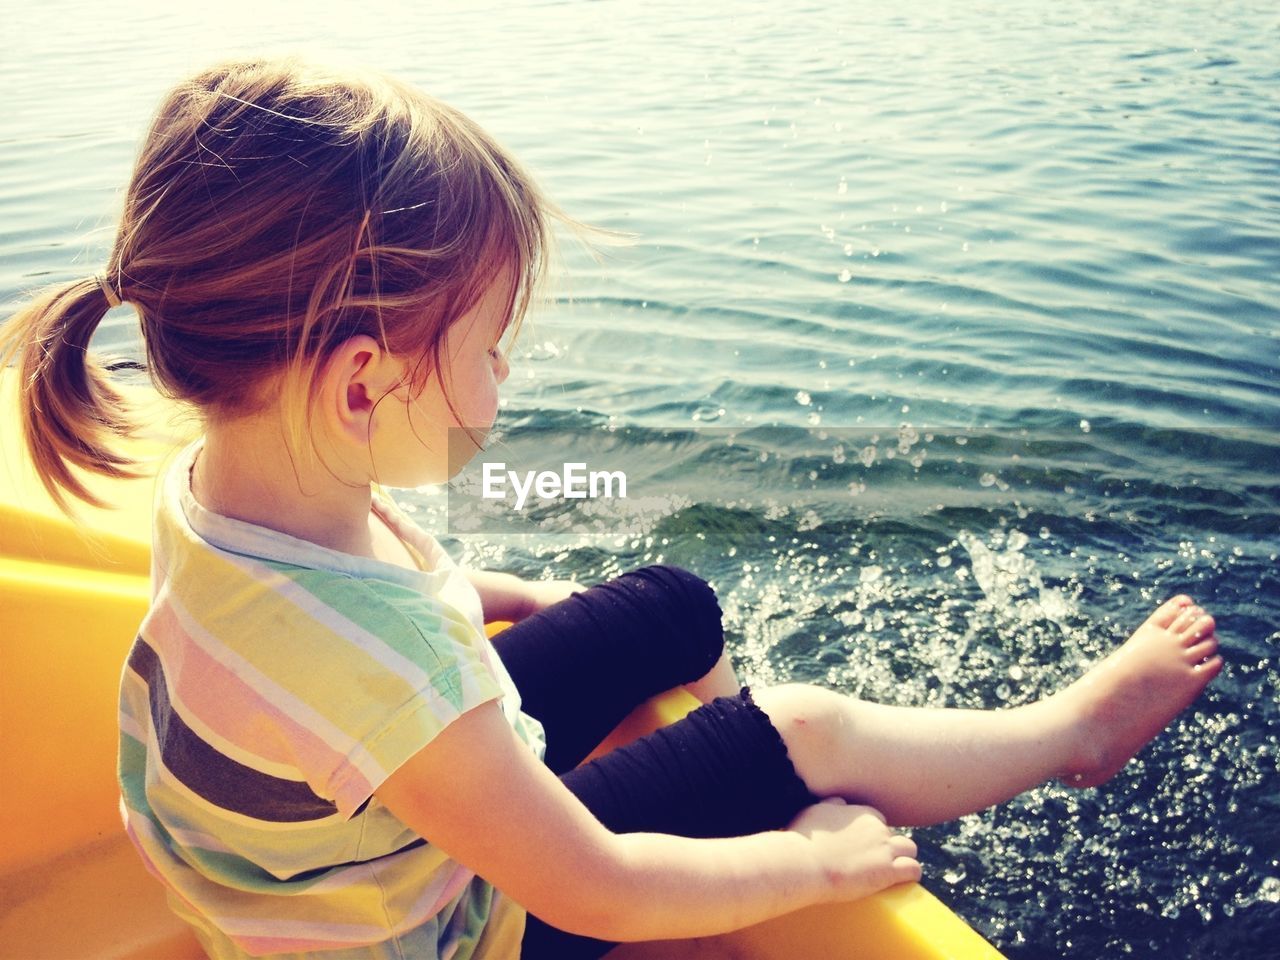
[1132, 695]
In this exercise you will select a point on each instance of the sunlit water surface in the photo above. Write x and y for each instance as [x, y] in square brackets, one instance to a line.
[971, 308]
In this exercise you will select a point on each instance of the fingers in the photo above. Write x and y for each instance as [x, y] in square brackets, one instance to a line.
[902, 846]
[901, 852]
[864, 811]
[905, 866]
[862, 852]
[907, 870]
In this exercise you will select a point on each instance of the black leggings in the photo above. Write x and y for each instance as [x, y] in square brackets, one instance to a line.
[584, 664]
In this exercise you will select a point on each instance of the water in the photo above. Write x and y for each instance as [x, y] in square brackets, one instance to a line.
[986, 294]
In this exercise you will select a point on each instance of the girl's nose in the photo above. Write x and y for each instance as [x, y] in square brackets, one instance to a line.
[501, 368]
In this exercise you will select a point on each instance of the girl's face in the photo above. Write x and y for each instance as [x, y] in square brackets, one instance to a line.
[420, 440]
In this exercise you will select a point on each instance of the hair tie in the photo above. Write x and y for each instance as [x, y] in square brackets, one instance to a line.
[113, 298]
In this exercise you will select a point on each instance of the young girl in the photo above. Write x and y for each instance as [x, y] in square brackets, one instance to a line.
[320, 752]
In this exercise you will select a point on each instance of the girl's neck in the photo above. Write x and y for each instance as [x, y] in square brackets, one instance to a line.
[243, 471]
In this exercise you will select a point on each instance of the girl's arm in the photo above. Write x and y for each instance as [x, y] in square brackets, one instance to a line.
[486, 801]
[507, 597]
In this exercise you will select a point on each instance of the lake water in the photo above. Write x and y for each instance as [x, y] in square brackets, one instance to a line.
[954, 328]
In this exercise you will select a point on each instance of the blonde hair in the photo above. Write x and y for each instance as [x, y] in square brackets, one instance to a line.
[277, 209]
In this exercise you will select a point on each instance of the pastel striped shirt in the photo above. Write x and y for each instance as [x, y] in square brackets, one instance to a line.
[273, 687]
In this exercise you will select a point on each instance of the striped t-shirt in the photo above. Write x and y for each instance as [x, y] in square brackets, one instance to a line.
[273, 687]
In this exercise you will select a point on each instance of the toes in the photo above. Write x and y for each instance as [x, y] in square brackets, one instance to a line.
[1169, 610]
[1202, 651]
[1198, 628]
[1210, 668]
[1187, 624]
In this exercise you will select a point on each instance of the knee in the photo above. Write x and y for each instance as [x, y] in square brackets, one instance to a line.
[802, 707]
[693, 611]
[815, 724]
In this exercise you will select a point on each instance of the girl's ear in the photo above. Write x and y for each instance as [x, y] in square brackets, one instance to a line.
[357, 375]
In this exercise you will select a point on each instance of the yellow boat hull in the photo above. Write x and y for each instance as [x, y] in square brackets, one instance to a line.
[71, 598]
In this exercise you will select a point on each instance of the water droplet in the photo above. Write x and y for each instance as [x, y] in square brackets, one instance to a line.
[803, 398]
[1044, 533]
[1016, 672]
[843, 187]
[845, 275]
[870, 574]
[944, 561]
[1085, 427]
[987, 480]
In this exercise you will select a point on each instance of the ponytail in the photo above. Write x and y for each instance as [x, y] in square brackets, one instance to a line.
[69, 410]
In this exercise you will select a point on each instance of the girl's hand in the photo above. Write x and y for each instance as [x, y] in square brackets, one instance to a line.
[506, 597]
[859, 853]
[541, 594]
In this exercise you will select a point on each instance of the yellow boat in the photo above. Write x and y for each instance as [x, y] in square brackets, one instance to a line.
[71, 886]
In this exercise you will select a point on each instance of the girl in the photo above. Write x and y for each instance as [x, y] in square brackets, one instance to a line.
[320, 752]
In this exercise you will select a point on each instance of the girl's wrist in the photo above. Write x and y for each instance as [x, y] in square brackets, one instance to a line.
[504, 596]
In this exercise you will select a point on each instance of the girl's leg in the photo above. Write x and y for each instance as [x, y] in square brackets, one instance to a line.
[921, 766]
[583, 664]
[720, 681]
[722, 771]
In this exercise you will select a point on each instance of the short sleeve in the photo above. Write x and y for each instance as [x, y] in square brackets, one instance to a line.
[398, 666]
